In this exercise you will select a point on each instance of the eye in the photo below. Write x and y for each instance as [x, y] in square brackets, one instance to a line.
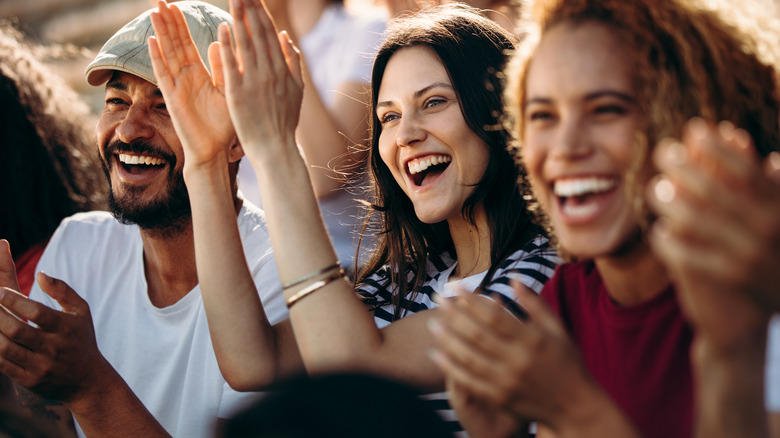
[162, 106]
[610, 109]
[114, 101]
[434, 101]
[388, 117]
[540, 115]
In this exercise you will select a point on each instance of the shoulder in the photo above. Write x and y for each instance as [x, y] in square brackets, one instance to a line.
[532, 265]
[90, 229]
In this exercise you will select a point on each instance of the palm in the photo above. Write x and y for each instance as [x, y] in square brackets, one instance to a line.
[196, 103]
[199, 113]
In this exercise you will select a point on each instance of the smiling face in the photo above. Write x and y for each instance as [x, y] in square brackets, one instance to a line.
[425, 142]
[142, 156]
[581, 123]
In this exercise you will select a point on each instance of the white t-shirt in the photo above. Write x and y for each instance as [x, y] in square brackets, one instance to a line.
[164, 354]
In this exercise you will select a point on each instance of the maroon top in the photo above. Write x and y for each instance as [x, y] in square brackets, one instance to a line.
[639, 354]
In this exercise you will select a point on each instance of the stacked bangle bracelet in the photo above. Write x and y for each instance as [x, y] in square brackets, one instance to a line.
[319, 284]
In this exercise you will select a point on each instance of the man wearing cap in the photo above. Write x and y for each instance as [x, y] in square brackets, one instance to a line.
[122, 338]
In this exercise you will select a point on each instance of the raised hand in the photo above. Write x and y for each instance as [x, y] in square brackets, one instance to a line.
[195, 100]
[719, 228]
[263, 81]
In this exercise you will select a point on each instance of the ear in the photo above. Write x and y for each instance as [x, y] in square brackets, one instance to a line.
[236, 152]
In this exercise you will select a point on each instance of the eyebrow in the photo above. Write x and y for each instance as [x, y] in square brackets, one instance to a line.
[419, 92]
[121, 86]
[590, 96]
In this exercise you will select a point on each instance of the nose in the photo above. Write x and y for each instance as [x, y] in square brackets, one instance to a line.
[409, 131]
[572, 140]
[135, 125]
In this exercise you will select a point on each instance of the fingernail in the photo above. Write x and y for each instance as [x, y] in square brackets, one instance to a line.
[433, 354]
[664, 190]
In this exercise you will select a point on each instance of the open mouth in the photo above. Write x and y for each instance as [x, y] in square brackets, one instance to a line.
[577, 196]
[425, 169]
[139, 164]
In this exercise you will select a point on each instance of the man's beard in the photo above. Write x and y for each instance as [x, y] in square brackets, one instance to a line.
[166, 215]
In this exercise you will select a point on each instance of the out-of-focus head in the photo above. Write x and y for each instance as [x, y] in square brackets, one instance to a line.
[141, 152]
[597, 83]
[47, 156]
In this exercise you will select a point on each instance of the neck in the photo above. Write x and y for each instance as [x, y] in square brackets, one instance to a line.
[633, 277]
[472, 245]
[169, 265]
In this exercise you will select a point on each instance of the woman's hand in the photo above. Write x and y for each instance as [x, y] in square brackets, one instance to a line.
[195, 100]
[719, 229]
[529, 368]
[263, 81]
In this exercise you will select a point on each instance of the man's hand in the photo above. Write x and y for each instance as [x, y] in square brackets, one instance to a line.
[195, 100]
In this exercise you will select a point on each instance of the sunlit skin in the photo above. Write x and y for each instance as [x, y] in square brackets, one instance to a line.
[421, 120]
[581, 123]
[135, 113]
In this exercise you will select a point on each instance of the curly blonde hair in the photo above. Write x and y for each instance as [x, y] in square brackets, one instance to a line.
[687, 58]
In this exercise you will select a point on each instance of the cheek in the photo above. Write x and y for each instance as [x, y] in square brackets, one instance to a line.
[387, 152]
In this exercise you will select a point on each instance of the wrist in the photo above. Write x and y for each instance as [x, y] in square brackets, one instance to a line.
[590, 412]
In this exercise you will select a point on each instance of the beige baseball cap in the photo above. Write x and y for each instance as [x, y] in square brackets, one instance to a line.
[128, 50]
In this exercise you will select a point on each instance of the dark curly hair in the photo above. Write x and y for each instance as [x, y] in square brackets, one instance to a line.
[48, 160]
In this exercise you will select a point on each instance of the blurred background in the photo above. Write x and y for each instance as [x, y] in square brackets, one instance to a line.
[68, 33]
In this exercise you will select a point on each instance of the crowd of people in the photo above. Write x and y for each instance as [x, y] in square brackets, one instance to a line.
[570, 224]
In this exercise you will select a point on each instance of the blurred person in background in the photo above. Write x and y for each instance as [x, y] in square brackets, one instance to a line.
[338, 46]
[47, 157]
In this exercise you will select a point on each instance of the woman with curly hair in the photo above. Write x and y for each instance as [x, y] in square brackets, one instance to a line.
[631, 343]
[47, 158]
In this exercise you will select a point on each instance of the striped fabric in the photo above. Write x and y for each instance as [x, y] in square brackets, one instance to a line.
[532, 265]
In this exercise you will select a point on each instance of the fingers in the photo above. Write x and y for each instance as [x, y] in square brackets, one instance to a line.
[7, 267]
[12, 327]
[65, 296]
[217, 69]
[184, 41]
[244, 48]
[167, 39]
[538, 310]
[293, 58]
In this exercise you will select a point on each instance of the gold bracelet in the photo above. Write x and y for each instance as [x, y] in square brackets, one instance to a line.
[312, 275]
[314, 287]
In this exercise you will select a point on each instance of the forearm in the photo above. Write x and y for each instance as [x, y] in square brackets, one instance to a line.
[327, 135]
[249, 356]
[331, 325]
[113, 410]
[730, 388]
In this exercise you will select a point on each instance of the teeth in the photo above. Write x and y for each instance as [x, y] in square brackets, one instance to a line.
[140, 159]
[420, 164]
[579, 210]
[582, 186]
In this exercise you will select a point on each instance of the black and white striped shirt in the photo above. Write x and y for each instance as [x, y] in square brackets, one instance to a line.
[532, 265]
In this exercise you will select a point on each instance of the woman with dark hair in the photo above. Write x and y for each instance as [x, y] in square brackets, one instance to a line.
[438, 150]
[47, 157]
[636, 342]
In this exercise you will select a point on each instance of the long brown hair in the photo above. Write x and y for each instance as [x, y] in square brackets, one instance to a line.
[473, 50]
